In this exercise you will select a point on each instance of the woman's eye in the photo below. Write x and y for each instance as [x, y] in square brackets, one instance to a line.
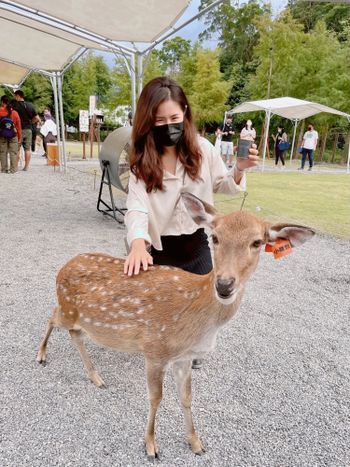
[215, 239]
[257, 243]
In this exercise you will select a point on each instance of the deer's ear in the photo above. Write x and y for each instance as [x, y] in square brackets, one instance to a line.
[201, 212]
[296, 234]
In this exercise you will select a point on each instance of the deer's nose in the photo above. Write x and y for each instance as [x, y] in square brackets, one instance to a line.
[225, 287]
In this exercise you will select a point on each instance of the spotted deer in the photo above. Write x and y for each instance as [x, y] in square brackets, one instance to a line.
[169, 315]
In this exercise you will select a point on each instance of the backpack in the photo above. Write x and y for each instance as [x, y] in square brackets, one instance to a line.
[7, 128]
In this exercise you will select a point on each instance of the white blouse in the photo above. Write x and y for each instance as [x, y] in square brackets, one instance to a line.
[150, 215]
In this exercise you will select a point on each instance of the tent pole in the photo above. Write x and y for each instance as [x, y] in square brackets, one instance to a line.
[60, 101]
[53, 80]
[267, 128]
[293, 142]
[139, 73]
[133, 84]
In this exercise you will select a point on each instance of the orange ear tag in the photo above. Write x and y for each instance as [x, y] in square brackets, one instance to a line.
[280, 248]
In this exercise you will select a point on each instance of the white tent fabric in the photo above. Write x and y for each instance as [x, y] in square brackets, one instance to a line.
[117, 20]
[287, 107]
[11, 74]
[290, 108]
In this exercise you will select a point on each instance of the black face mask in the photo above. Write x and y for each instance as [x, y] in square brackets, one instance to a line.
[310, 128]
[168, 135]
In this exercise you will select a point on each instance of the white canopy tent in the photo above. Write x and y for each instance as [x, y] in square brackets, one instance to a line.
[291, 108]
[48, 36]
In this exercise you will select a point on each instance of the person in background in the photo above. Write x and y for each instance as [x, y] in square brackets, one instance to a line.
[227, 133]
[169, 157]
[280, 137]
[10, 135]
[248, 132]
[28, 115]
[48, 130]
[308, 145]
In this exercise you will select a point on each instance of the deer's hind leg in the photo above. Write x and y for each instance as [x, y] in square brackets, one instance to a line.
[41, 357]
[78, 340]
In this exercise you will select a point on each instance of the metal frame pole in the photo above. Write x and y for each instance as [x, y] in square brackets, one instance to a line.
[268, 115]
[139, 73]
[53, 79]
[296, 121]
[60, 102]
[133, 83]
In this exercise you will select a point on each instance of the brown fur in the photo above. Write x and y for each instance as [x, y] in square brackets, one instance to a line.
[169, 315]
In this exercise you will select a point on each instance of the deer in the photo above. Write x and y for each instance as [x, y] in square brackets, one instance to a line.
[170, 315]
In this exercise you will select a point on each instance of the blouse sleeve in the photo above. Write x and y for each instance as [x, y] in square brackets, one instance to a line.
[222, 179]
[136, 218]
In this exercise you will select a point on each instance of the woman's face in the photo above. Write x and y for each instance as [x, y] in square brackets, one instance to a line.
[168, 112]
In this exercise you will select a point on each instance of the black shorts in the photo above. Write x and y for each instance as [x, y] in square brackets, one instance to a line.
[188, 252]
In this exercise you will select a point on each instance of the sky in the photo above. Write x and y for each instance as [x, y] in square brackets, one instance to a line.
[192, 31]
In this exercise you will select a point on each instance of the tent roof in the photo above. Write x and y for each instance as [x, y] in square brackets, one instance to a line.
[46, 35]
[287, 107]
[11, 74]
[116, 20]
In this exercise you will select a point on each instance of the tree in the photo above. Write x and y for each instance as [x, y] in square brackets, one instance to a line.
[152, 67]
[171, 53]
[38, 90]
[210, 90]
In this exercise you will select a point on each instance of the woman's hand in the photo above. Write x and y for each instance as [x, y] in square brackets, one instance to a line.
[251, 161]
[137, 257]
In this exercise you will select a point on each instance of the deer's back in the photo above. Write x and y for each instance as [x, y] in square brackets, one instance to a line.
[164, 305]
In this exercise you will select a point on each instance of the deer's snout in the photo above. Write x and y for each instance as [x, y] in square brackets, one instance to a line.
[225, 287]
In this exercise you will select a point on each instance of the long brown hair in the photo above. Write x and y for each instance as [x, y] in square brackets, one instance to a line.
[145, 161]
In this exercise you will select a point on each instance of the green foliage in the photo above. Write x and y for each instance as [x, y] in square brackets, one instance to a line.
[171, 53]
[209, 90]
[152, 67]
[336, 16]
[120, 91]
[37, 89]
[86, 77]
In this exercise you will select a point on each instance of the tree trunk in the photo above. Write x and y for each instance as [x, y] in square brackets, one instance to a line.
[323, 144]
[299, 140]
[334, 149]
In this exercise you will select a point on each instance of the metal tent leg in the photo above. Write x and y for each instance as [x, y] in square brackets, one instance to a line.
[108, 210]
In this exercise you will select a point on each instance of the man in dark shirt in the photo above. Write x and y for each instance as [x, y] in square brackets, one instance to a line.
[28, 115]
[227, 133]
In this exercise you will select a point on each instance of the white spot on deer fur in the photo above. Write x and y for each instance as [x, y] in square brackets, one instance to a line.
[176, 278]
[93, 288]
[68, 299]
[176, 317]
[126, 314]
[115, 326]
[71, 312]
[106, 325]
[205, 287]
[101, 288]
[137, 301]
[115, 305]
[116, 261]
[104, 293]
[90, 305]
[163, 328]
[98, 324]
[81, 315]
[103, 308]
[109, 282]
[140, 311]
[87, 320]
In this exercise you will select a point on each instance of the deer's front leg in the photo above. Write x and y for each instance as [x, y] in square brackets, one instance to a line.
[182, 376]
[155, 377]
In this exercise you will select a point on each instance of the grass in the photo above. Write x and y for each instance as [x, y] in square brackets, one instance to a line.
[321, 201]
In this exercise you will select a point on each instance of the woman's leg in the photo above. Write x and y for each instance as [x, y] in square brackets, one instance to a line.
[282, 157]
[3, 154]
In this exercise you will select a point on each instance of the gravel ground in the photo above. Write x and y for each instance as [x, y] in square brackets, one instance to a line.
[274, 393]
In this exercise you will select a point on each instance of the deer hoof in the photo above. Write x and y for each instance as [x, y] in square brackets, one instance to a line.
[97, 380]
[197, 446]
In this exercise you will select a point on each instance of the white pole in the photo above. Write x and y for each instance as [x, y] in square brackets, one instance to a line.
[133, 84]
[348, 164]
[53, 80]
[293, 142]
[268, 115]
[139, 73]
[60, 101]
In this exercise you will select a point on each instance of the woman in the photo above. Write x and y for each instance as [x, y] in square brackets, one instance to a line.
[10, 135]
[281, 137]
[168, 157]
[248, 132]
[48, 130]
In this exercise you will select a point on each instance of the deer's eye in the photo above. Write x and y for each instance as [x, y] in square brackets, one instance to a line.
[215, 239]
[257, 244]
